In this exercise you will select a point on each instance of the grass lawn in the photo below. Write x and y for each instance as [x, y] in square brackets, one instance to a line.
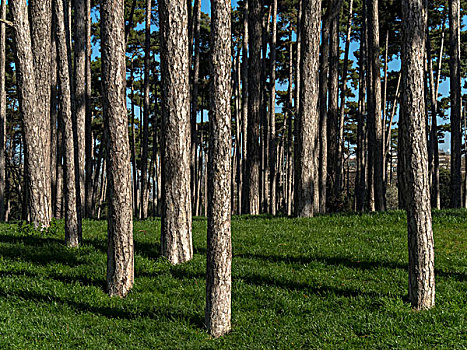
[329, 282]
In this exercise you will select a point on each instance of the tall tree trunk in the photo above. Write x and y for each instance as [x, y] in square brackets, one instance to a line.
[333, 109]
[414, 157]
[133, 142]
[2, 111]
[79, 54]
[252, 180]
[89, 161]
[306, 161]
[243, 205]
[374, 108]
[176, 242]
[219, 247]
[289, 127]
[120, 253]
[73, 233]
[341, 140]
[194, 97]
[37, 158]
[146, 102]
[455, 84]
[272, 114]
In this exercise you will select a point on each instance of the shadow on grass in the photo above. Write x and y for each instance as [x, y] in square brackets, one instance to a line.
[107, 311]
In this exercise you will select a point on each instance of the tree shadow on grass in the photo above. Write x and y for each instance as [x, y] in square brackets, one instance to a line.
[328, 260]
[110, 312]
[45, 254]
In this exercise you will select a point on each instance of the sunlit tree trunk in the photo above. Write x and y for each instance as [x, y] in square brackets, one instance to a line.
[176, 242]
[120, 253]
[415, 158]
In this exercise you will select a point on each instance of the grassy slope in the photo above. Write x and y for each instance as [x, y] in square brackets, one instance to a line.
[328, 282]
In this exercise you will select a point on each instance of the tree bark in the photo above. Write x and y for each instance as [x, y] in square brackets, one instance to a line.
[89, 161]
[219, 246]
[176, 241]
[73, 233]
[455, 84]
[243, 205]
[306, 161]
[37, 162]
[120, 253]
[415, 158]
[145, 154]
[252, 180]
[79, 54]
[272, 114]
[2, 111]
[374, 108]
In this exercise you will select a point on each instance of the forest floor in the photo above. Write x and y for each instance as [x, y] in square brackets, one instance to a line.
[337, 281]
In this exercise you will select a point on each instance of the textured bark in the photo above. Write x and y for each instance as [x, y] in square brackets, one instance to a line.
[176, 241]
[89, 161]
[252, 180]
[374, 108]
[289, 127]
[79, 54]
[306, 159]
[219, 246]
[120, 251]
[333, 108]
[323, 119]
[415, 158]
[243, 205]
[37, 164]
[40, 12]
[145, 154]
[455, 84]
[73, 233]
[194, 96]
[2, 111]
[272, 114]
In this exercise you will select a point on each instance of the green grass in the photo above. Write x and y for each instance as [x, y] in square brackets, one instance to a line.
[329, 282]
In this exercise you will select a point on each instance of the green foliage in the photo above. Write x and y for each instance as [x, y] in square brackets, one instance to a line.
[331, 282]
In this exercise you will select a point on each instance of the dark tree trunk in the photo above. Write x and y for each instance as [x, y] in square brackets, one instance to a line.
[2, 112]
[146, 102]
[176, 242]
[120, 253]
[73, 233]
[89, 161]
[243, 204]
[272, 114]
[374, 106]
[79, 54]
[414, 157]
[252, 179]
[306, 158]
[219, 246]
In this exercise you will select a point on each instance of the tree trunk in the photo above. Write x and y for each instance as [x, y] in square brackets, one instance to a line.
[2, 111]
[176, 241]
[79, 54]
[73, 233]
[341, 140]
[120, 253]
[306, 161]
[243, 205]
[252, 179]
[272, 114]
[37, 158]
[219, 246]
[89, 161]
[374, 108]
[455, 84]
[146, 102]
[333, 110]
[414, 157]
